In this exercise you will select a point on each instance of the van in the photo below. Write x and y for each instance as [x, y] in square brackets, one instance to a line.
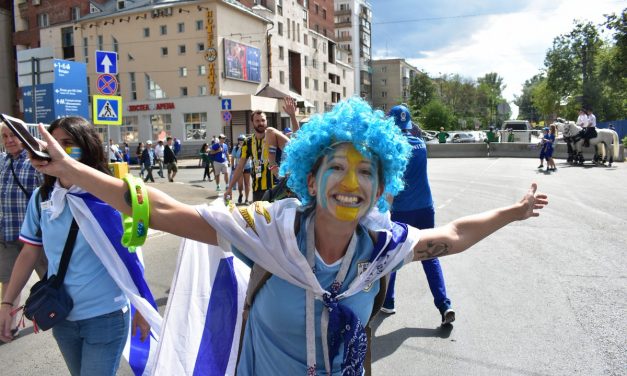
[522, 130]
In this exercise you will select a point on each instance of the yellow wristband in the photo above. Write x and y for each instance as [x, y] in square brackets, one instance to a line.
[135, 227]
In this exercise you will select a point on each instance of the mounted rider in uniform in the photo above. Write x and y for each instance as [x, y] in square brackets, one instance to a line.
[589, 125]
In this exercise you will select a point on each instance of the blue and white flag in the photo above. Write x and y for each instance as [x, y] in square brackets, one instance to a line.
[101, 225]
[203, 321]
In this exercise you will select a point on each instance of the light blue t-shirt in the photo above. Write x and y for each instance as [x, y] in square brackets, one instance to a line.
[87, 281]
[275, 336]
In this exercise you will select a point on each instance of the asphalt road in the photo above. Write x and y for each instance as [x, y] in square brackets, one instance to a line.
[547, 296]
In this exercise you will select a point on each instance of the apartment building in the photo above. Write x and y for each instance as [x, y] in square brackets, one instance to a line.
[353, 19]
[390, 82]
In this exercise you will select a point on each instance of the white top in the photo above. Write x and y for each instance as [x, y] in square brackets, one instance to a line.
[592, 121]
[582, 120]
[159, 151]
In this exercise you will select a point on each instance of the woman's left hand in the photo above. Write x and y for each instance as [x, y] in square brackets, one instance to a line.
[532, 202]
[139, 322]
[60, 160]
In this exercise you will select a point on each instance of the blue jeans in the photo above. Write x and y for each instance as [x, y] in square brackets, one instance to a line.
[422, 219]
[93, 346]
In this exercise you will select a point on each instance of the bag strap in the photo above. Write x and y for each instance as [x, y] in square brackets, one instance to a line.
[67, 253]
[26, 193]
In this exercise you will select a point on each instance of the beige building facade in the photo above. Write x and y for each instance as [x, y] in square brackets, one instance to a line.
[391, 79]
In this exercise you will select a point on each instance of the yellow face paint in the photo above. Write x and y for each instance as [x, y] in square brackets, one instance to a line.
[347, 182]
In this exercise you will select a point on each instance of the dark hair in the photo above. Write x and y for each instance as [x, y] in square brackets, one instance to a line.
[256, 112]
[86, 138]
[203, 146]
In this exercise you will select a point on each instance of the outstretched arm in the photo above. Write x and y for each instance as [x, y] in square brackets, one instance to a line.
[463, 233]
[290, 109]
[166, 213]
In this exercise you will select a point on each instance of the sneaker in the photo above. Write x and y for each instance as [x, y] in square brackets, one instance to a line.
[541, 166]
[448, 316]
[218, 188]
[239, 199]
[388, 307]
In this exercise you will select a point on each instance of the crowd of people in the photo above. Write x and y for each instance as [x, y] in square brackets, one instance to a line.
[361, 210]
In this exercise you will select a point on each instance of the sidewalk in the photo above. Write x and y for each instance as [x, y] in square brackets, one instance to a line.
[182, 163]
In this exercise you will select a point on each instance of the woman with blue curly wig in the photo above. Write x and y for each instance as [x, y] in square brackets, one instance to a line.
[327, 251]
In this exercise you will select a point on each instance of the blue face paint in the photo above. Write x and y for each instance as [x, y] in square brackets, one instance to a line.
[74, 152]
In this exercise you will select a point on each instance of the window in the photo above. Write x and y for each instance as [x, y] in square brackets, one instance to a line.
[314, 63]
[384, 69]
[306, 60]
[202, 90]
[86, 49]
[146, 32]
[279, 7]
[200, 47]
[116, 45]
[199, 25]
[281, 53]
[163, 29]
[324, 67]
[100, 42]
[316, 9]
[384, 82]
[282, 77]
[164, 51]
[288, 28]
[180, 27]
[42, 20]
[324, 14]
[75, 13]
[306, 82]
[195, 125]
[202, 70]
[324, 48]
[280, 28]
[183, 71]
[305, 39]
[133, 85]
[324, 87]
[182, 49]
[344, 92]
[183, 91]
[161, 124]
[315, 84]
[384, 94]
[314, 43]
[130, 129]
[153, 89]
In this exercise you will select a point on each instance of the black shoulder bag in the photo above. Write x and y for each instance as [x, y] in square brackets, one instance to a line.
[28, 194]
[48, 302]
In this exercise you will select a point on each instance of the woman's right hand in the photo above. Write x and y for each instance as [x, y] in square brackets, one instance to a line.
[5, 323]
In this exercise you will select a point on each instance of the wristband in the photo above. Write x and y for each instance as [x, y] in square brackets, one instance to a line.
[135, 227]
[7, 303]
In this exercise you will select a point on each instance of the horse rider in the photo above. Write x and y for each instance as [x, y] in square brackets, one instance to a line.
[589, 129]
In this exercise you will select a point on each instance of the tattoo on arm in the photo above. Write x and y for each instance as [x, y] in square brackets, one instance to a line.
[432, 250]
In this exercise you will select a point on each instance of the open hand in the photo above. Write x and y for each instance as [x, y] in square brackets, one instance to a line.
[290, 106]
[532, 202]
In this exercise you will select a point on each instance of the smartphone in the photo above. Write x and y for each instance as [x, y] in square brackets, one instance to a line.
[18, 127]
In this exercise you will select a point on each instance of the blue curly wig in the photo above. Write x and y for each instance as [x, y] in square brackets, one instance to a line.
[354, 121]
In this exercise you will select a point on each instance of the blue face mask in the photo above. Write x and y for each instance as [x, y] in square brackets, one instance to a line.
[74, 152]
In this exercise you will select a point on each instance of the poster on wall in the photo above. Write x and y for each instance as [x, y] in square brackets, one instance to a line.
[242, 62]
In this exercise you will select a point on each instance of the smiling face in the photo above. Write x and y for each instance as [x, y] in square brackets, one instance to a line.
[346, 184]
[12, 144]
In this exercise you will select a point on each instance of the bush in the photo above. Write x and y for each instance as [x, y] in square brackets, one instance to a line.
[625, 141]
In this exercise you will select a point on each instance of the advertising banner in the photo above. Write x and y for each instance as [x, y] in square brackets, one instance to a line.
[242, 62]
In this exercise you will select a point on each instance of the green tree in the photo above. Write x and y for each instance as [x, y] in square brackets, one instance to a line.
[526, 108]
[436, 114]
[421, 92]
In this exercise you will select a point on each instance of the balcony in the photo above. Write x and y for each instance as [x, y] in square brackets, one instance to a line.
[343, 12]
[23, 7]
[344, 38]
[339, 25]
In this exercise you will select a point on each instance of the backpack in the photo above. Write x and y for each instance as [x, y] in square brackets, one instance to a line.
[259, 276]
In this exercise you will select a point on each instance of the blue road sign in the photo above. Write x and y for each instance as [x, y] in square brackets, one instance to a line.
[107, 84]
[70, 89]
[106, 62]
[107, 109]
[226, 116]
[226, 104]
[45, 105]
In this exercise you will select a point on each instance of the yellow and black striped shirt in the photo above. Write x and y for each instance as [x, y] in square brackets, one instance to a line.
[258, 150]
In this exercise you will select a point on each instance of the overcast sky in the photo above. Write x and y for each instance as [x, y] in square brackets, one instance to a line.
[474, 37]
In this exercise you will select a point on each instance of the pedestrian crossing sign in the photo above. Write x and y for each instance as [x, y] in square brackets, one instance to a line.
[107, 110]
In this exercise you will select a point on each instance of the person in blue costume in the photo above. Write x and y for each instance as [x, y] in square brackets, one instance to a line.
[546, 151]
[414, 206]
[326, 250]
[93, 335]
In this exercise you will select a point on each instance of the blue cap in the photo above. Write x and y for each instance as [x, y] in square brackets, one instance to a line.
[402, 117]
[287, 130]
[546, 128]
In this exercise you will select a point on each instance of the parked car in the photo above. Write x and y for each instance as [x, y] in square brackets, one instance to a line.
[460, 138]
[479, 136]
[522, 130]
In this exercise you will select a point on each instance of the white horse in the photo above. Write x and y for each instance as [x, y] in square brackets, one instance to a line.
[605, 137]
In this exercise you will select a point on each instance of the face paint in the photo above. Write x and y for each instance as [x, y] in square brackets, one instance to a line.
[74, 152]
[346, 183]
